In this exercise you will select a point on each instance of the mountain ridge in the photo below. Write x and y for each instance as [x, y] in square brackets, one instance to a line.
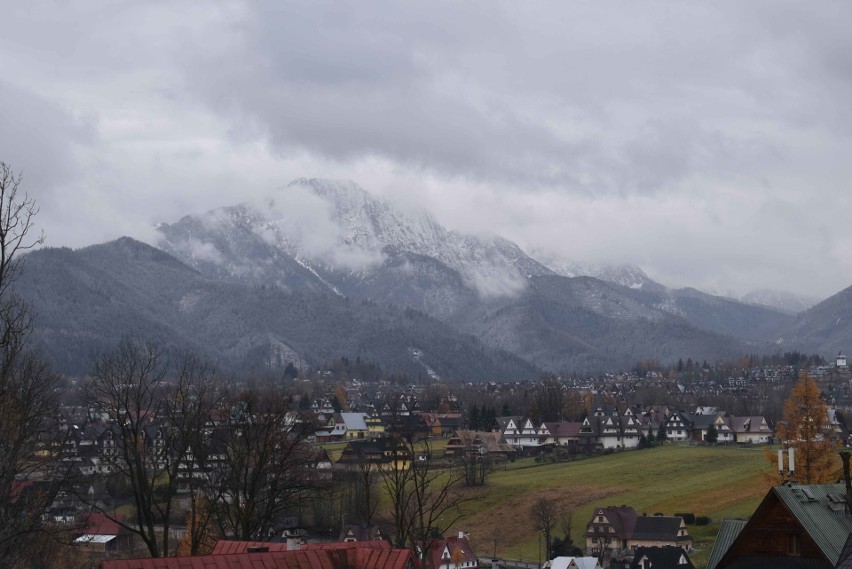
[355, 259]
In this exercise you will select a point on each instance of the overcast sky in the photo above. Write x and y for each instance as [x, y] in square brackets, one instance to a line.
[708, 143]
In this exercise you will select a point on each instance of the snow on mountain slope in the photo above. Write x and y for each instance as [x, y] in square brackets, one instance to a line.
[494, 267]
[630, 276]
[331, 227]
[780, 300]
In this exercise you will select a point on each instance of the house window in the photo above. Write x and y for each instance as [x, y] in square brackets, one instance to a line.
[793, 545]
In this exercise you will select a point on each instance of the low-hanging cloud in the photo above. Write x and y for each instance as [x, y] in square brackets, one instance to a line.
[297, 219]
[673, 136]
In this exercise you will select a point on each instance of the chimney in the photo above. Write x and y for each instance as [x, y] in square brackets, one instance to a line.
[292, 541]
[844, 456]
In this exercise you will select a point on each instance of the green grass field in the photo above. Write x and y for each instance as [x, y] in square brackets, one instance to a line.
[719, 482]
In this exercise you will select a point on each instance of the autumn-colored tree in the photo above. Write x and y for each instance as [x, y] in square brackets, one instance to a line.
[807, 430]
[340, 397]
[457, 557]
[200, 536]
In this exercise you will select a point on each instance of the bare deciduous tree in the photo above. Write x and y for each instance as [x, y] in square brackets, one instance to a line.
[28, 392]
[157, 405]
[426, 498]
[266, 470]
[544, 517]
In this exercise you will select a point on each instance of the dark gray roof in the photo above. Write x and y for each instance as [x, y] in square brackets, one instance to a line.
[808, 503]
[662, 557]
[826, 529]
[728, 532]
[769, 562]
[657, 528]
[845, 561]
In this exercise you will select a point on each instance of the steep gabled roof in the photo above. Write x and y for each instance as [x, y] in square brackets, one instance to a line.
[728, 532]
[749, 424]
[451, 546]
[828, 530]
[667, 557]
[571, 429]
[623, 519]
[657, 528]
[808, 505]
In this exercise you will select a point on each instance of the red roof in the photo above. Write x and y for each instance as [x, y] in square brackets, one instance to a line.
[100, 524]
[353, 555]
[228, 547]
[451, 544]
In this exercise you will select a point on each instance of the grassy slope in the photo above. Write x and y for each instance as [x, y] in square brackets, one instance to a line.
[720, 482]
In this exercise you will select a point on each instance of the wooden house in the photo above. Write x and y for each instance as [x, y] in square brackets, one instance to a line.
[796, 525]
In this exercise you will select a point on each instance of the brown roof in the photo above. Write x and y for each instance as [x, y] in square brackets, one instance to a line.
[623, 520]
[564, 429]
[748, 425]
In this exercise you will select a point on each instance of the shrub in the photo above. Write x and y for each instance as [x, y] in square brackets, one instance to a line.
[702, 521]
[688, 517]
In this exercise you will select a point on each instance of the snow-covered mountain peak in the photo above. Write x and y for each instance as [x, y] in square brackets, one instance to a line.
[334, 225]
[630, 276]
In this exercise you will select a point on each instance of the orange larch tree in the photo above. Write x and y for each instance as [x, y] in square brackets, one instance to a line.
[806, 429]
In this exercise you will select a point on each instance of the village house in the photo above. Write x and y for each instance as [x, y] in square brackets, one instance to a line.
[343, 426]
[375, 425]
[572, 563]
[610, 430]
[678, 427]
[667, 557]
[441, 424]
[751, 430]
[102, 535]
[355, 532]
[560, 434]
[465, 443]
[518, 432]
[453, 552]
[383, 453]
[700, 425]
[796, 525]
[615, 531]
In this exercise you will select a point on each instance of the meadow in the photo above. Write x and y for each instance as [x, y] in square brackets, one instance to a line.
[718, 482]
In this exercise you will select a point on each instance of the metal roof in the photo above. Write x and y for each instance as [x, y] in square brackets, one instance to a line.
[335, 556]
[828, 530]
[94, 538]
[728, 532]
[354, 421]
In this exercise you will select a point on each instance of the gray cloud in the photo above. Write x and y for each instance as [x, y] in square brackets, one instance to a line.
[707, 143]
